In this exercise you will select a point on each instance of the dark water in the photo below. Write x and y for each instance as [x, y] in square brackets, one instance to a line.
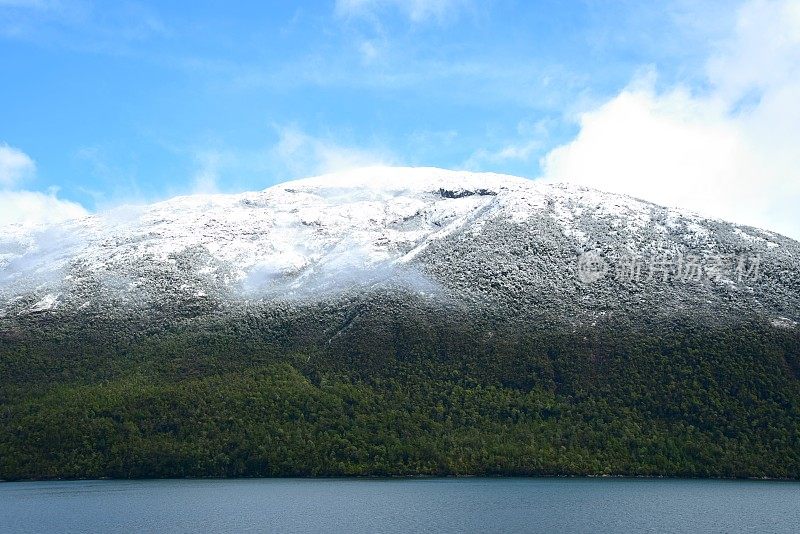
[436, 505]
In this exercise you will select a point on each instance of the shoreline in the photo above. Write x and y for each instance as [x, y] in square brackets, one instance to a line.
[415, 477]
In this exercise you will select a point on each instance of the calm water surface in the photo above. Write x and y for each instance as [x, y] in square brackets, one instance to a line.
[435, 505]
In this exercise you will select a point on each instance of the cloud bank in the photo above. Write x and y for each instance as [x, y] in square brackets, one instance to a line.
[15, 165]
[29, 207]
[730, 151]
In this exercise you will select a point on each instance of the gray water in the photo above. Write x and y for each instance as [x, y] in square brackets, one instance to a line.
[435, 505]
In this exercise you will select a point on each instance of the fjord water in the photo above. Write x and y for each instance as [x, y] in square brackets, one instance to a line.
[366, 505]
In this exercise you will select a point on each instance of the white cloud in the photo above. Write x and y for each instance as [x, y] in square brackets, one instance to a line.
[417, 11]
[763, 53]
[15, 165]
[302, 154]
[729, 152]
[33, 207]
[29, 207]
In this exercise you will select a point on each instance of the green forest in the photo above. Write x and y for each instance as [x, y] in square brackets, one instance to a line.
[669, 400]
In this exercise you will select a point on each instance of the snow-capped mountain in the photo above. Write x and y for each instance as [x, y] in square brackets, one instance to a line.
[526, 248]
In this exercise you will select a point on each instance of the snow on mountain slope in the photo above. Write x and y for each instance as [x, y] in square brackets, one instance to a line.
[422, 227]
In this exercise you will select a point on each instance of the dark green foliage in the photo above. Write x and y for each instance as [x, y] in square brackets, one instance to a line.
[403, 396]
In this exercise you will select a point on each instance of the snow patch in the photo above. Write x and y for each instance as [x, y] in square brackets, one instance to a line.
[48, 302]
[784, 322]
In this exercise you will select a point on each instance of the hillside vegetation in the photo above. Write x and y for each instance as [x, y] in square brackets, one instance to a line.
[405, 397]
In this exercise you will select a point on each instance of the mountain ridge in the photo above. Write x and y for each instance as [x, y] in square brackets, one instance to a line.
[322, 235]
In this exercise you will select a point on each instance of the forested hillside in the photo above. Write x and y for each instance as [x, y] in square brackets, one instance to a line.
[675, 400]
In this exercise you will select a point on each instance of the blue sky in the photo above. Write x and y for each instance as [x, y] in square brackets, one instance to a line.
[134, 101]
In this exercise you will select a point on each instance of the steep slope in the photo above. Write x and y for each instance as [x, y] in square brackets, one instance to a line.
[399, 321]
